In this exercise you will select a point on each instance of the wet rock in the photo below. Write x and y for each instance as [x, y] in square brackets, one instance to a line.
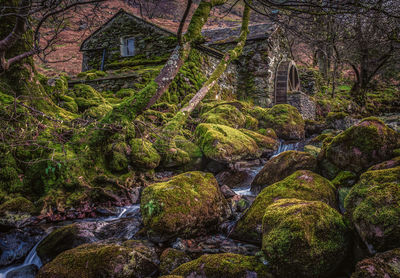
[382, 265]
[281, 166]
[223, 265]
[359, 147]
[227, 192]
[15, 245]
[303, 238]
[372, 205]
[189, 204]
[171, 259]
[124, 228]
[28, 271]
[302, 184]
[16, 213]
[102, 260]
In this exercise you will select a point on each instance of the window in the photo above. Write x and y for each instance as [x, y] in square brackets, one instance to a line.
[127, 47]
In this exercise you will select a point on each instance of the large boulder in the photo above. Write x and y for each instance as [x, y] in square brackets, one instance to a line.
[358, 148]
[302, 184]
[225, 265]
[267, 144]
[281, 166]
[143, 154]
[128, 260]
[188, 205]
[303, 238]
[225, 114]
[382, 265]
[16, 213]
[225, 144]
[372, 205]
[285, 120]
[62, 239]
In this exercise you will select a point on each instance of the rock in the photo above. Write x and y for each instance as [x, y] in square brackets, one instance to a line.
[227, 192]
[281, 166]
[358, 148]
[267, 144]
[171, 259]
[62, 239]
[285, 120]
[16, 213]
[225, 265]
[344, 179]
[303, 238]
[122, 229]
[233, 178]
[224, 114]
[101, 260]
[313, 150]
[28, 271]
[16, 244]
[143, 155]
[313, 127]
[225, 144]
[382, 265]
[189, 204]
[394, 162]
[302, 184]
[340, 120]
[372, 205]
[117, 157]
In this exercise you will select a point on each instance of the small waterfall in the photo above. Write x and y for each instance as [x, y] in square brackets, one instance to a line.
[283, 147]
[31, 259]
[124, 212]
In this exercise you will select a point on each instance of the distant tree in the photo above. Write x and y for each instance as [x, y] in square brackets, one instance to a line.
[33, 27]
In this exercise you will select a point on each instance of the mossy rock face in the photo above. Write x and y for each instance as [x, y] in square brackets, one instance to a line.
[267, 144]
[313, 150]
[394, 162]
[373, 207]
[358, 148]
[18, 205]
[303, 238]
[60, 240]
[382, 265]
[171, 259]
[143, 154]
[302, 184]
[117, 157]
[226, 114]
[281, 166]
[285, 120]
[99, 260]
[189, 204]
[225, 265]
[344, 179]
[225, 144]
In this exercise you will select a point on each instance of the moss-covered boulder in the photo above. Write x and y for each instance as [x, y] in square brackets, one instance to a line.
[225, 114]
[358, 148]
[281, 166]
[89, 101]
[302, 184]
[373, 207]
[18, 205]
[171, 259]
[225, 144]
[15, 213]
[382, 265]
[100, 260]
[62, 239]
[285, 120]
[117, 157]
[267, 144]
[225, 265]
[391, 163]
[143, 154]
[188, 205]
[303, 238]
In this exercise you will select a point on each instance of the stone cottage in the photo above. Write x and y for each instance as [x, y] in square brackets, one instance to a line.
[126, 39]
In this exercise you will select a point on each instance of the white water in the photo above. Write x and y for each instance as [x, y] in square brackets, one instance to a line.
[283, 147]
[123, 212]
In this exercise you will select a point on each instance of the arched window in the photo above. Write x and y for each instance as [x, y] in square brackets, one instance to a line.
[127, 47]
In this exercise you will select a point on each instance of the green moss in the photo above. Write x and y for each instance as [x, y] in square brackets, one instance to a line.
[225, 144]
[303, 238]
[313, 150]
[143, 154]
[373, 207]
[382, 265]
[223, 265]
[18, 205]
[117, 157]
[303, 184]
[171, 259]
[265, 143]
[344, 179]
[225, 115]
[177, 207]
[334, 116]
[123, 93]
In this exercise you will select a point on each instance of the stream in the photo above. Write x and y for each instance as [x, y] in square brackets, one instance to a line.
[116, 225]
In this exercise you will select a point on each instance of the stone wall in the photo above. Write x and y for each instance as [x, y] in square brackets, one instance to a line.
[114, 84]
[159, 44]
[303, 103]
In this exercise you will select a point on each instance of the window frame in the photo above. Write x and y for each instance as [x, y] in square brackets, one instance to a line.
[124, 46]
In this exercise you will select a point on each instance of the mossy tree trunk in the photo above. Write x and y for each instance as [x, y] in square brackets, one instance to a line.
[129, 109]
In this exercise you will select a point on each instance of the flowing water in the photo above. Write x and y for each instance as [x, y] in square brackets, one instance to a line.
[283, 147]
